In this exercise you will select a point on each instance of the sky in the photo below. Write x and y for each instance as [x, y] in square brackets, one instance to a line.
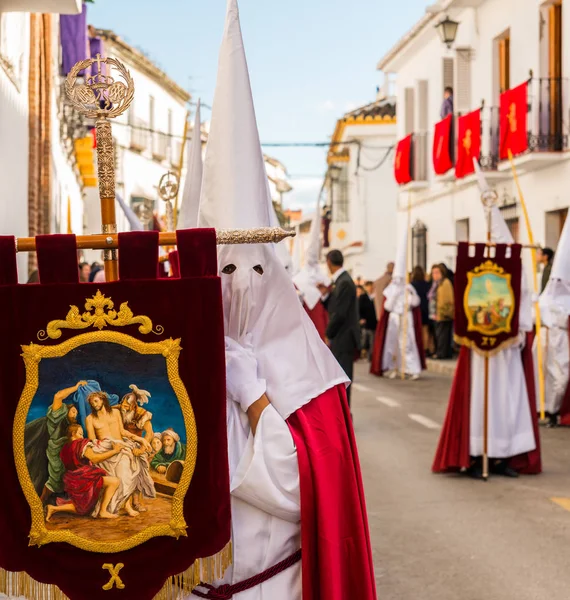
[310, 61]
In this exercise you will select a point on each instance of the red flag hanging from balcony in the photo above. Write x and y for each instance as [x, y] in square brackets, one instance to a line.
[468, 142]
[513, 128]
[442, 141]
[403, 161]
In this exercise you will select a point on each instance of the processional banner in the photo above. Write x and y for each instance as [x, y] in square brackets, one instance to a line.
[113, 448]
[487, 296]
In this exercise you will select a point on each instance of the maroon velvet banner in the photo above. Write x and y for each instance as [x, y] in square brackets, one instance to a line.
[468, 142]
[442, 140]
[403, 161]
[113, 447]
[513, 127]
[487, 296]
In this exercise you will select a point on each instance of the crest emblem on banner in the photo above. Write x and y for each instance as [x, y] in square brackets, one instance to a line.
[487, 297]
[104, 434]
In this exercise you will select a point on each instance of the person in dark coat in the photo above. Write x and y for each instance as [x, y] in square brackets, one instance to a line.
[368, 321]
[343, 331]
[422, 287]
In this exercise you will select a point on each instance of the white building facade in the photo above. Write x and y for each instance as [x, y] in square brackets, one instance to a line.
[34, 199]
[499, 45]
[362, 195]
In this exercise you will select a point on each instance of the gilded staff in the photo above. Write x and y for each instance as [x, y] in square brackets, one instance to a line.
[101, 97]
[168, 190]
[262, 235]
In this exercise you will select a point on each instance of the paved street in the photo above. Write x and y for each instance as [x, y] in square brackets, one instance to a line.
[448, 537]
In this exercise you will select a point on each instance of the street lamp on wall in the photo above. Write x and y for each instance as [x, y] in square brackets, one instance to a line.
[447, 29]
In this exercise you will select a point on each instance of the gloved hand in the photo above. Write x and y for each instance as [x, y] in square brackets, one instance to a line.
[242, 383]
[535, 298]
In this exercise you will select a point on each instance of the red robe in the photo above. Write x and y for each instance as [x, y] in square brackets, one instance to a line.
[380, 338]
[320, 317]
[453, 449]
[82, 481]
[337, 556]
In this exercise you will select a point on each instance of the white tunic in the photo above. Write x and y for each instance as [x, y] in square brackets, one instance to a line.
[510, 420]
[555, 361]
[266, 515]
[394, 339]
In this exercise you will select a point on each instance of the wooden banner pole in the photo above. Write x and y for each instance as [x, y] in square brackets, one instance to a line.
[539, 348]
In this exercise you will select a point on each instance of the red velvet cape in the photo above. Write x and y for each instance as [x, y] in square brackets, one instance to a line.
[337, 556]
[380, 338]
[453, 449]
[320, 317]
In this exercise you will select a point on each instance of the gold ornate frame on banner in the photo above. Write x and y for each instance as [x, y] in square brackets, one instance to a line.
[102, 316]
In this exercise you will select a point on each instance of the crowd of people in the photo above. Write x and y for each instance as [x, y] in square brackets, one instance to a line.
[437, 307]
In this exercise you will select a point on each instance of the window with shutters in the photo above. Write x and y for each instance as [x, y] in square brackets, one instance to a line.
[409, 110]
[423, 105]
[462, 95]
[419, 245]
[502, 69]
[448, 73]
[462, 230]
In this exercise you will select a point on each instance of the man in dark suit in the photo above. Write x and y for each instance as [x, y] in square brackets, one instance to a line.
[343, 331]
[367, 315]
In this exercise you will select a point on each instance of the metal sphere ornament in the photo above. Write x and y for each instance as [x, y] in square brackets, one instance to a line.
[168, 186]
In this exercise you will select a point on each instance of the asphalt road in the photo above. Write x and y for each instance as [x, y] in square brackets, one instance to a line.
[447, 537]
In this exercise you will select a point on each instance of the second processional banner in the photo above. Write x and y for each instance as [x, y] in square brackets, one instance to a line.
[487, 296]
[113, 445]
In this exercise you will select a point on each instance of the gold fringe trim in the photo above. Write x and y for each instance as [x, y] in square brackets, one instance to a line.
[177, 587]
[204, 570]
[464, 341]
[21, 584]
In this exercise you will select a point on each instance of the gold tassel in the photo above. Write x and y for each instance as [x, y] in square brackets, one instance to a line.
[204, 570]
[21, 584]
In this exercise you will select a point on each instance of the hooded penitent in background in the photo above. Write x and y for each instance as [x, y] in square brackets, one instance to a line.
[555, 311]
[188, 215]
[310, 275]
[513, 439]
[286, 492]
[390, 345]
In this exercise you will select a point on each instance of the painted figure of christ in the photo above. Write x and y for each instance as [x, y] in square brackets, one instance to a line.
[130, 466]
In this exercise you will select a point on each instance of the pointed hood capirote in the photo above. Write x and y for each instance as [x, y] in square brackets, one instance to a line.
[555, 300]
[311, 274]
[188, 217]
[258, 295]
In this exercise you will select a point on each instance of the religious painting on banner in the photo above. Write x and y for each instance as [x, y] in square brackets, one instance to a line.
[468, 142]
[487, 297]
[512, 125]
[442, 146]
[118, 441]
[403, 161]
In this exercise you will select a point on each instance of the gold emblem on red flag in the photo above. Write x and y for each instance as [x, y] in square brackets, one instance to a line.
[512, 117]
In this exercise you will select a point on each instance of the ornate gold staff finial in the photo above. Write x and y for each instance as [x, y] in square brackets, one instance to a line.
[101, 97]
[168, 191]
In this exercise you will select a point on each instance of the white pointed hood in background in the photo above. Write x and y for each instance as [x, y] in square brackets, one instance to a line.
[394, 292]
[555, 300]
[134, 221]
[188, 217]
[258, 296]
[311, 275]
[500, 234]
